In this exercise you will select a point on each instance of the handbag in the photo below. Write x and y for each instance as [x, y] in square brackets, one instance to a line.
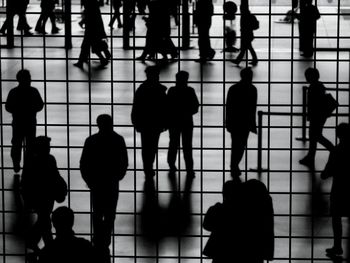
[329, 104]
[60, 189]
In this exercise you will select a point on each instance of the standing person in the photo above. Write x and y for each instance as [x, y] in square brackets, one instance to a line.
[116, 15]
[23, 102]
[203, 15]
[249, 23]
[103, 164]
[230, 9]
[308, 17]
[66, 247]
[94, 36]
[183, 103]
[16, 7]
[339, 169]
[47, 11]
[316, 116]
[148, 117]
[241, 116]
[41, 186]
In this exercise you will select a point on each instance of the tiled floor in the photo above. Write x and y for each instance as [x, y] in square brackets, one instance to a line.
[279, 79]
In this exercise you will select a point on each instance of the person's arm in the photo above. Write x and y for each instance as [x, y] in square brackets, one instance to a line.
[39, 103]
[135, 111]
[84, 163]
[9, 106]
[229, 109]
[124, 162]
[195, 102]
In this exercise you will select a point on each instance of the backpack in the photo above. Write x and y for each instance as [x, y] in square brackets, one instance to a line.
[254, 22]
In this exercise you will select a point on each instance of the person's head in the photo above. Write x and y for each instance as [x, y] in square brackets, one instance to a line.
[104, 123]
[244, 7]
[247, 74]
[182, 78]
[42, 145]
[152, 73]
[343, 131]
[63, 220]
[230, 9]
[230, 190]
[308, 2]
[312, 75]
[23, 77]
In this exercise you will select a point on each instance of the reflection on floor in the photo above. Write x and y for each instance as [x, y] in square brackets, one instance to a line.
[74, 99]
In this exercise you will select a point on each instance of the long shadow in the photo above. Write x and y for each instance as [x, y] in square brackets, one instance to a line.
[158, 222]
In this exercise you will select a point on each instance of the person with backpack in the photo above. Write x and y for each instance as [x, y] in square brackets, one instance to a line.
[316, 115]
[249, 23]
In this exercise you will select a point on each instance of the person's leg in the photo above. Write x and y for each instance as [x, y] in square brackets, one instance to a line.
[154, 136]
[97, 218]
[253, 53]
[16, 149]
[187, 136]
[84, 52]
[325, 142]
[174, 142]
[146, 152]
[239, 142]
[336, 250]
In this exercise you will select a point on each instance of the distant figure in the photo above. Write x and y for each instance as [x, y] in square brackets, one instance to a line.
[158, 38]
[40, 179]
[148, 116]
[338, 167]
[230, 9]
[308, 17]
[315, 115]
[241, 116]
[203, 14]
[103, 164]
[66, 247]
[47, 11]
[249, 23]
[16, 7]
[183, 103]
[94, 36]
[173, 9]
[116, 15]
[23, 102]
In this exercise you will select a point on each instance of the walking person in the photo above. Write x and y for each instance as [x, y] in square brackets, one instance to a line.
[316, 116]
[116, 15]
[241, 116]
[148, 116]
[203, 15]
[23, 102]
[338, 168]
[103, 164]
[182, 103]
[16, 7]
[249, 23]
[94, 36]
[47, 11]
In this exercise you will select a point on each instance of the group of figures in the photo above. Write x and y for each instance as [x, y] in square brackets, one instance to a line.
[158, 24]
[155, 109]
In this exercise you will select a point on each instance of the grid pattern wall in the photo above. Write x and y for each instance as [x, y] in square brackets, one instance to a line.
[74, 98]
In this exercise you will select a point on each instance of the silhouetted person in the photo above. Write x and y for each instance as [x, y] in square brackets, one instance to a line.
[66, 247]
[308, 17]
[240, 116]
[203, 16]
[230, 9]
[23, 102]
[258, 222]
[224, 221]
[116, 15]
[248, 25]
[103, 164]
[182, 103]
[338, 168]
[94, 35]
[47, 11]
[16, 7]
[39, 189]
[316, 116]
[148, 116]
[158, 38]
